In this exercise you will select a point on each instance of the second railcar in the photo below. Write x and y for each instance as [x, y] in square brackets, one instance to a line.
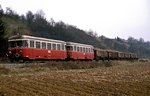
[77, 51]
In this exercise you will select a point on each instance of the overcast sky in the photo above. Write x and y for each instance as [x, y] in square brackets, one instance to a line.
[110, 18]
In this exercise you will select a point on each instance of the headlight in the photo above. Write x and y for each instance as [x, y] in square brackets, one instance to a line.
[9, 52]
[20, 51]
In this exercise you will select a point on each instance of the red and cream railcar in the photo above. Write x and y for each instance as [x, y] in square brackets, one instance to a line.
[77, 51]
[23, 47]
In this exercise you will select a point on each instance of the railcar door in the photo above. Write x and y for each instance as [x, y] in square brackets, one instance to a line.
[31, 49]
[49, 47]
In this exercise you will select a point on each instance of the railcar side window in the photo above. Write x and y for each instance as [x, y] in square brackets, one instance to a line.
[84, 50]
[81, 49]
[54, 46]
[49, 46]
[43, 45]
[63, 47]
[91, 49]
[32, 44]
[58, 47]
[78, 49]
[75, 48]
[38, 45]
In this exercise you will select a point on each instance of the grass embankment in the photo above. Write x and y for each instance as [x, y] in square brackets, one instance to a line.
[67, 79]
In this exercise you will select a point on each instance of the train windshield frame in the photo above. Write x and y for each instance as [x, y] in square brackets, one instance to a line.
[19, 43]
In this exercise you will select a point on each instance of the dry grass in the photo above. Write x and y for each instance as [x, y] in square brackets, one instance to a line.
[123, 79]
[4, 70]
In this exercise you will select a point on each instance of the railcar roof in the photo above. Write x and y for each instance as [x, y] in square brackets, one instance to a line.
[34, 38]
[78, 44]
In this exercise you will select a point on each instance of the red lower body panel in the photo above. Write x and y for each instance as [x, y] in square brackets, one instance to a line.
[80, 55]
[33, 53]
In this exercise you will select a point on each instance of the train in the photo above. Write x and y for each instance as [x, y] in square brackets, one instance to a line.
[26, 47]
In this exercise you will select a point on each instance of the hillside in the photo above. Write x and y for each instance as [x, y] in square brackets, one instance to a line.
[37, 25]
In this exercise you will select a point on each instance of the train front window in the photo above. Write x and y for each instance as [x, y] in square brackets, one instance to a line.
[22, 43]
